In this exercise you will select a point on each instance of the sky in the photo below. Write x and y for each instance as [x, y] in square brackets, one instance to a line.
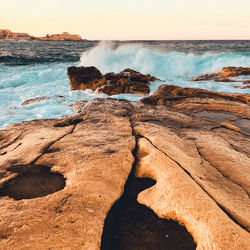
[130, 19]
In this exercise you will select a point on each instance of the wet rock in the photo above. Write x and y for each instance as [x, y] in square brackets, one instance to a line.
[246, 85]
[234, 71]
[127, 81]
[225, 75]
[196, 155]
[35, 100]
[81, 76]
[39, 99]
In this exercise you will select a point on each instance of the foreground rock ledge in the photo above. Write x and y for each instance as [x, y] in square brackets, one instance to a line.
[200, 165]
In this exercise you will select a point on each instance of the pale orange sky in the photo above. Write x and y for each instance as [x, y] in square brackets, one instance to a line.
[130, 19]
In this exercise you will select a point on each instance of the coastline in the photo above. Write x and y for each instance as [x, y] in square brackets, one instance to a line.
[191, 147]
[8, 35]
[119, 173]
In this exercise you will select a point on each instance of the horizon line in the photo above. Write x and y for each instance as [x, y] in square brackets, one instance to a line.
[81, 34]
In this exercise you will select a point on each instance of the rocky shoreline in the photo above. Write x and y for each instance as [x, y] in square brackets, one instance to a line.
[97, 179]
[8, 35]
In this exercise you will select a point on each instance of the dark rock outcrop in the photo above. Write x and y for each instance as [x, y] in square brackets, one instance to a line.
[127, 81]
[82, 77]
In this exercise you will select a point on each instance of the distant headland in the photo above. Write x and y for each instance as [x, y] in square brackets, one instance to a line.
[8, 35]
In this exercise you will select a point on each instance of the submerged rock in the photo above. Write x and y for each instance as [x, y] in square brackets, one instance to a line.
[127, 81]
[196, 154]
[35, 100]
[39, 99]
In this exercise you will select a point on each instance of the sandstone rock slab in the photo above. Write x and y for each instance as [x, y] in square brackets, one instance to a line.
[198, 157]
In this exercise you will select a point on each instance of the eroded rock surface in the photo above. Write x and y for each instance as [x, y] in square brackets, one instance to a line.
[199, 99]
[127, 81]
[197, 156]
[131, 225]
[93, 155]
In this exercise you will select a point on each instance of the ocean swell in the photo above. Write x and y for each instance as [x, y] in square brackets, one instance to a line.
[166, 65]
[20, 82]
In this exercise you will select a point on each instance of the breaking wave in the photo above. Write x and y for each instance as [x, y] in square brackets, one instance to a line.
[34, 69]
[166, 65]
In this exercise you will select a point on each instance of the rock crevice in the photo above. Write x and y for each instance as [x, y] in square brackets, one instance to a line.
[130, 225]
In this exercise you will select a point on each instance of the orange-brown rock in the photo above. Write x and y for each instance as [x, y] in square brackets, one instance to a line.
[234, 71]
[225, 75]
[127, 81]
[60, 178]
[192, 98]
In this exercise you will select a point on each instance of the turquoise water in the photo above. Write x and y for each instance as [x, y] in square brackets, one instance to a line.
[36, 76]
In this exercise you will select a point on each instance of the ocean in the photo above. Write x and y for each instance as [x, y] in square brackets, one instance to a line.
[29, 69]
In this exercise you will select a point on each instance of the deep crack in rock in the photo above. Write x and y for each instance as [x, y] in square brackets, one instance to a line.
[130, 225]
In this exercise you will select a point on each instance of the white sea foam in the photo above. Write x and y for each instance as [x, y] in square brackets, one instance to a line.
[166, 65]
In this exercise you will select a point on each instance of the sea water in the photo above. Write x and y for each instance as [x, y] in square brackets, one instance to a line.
[30, 69]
